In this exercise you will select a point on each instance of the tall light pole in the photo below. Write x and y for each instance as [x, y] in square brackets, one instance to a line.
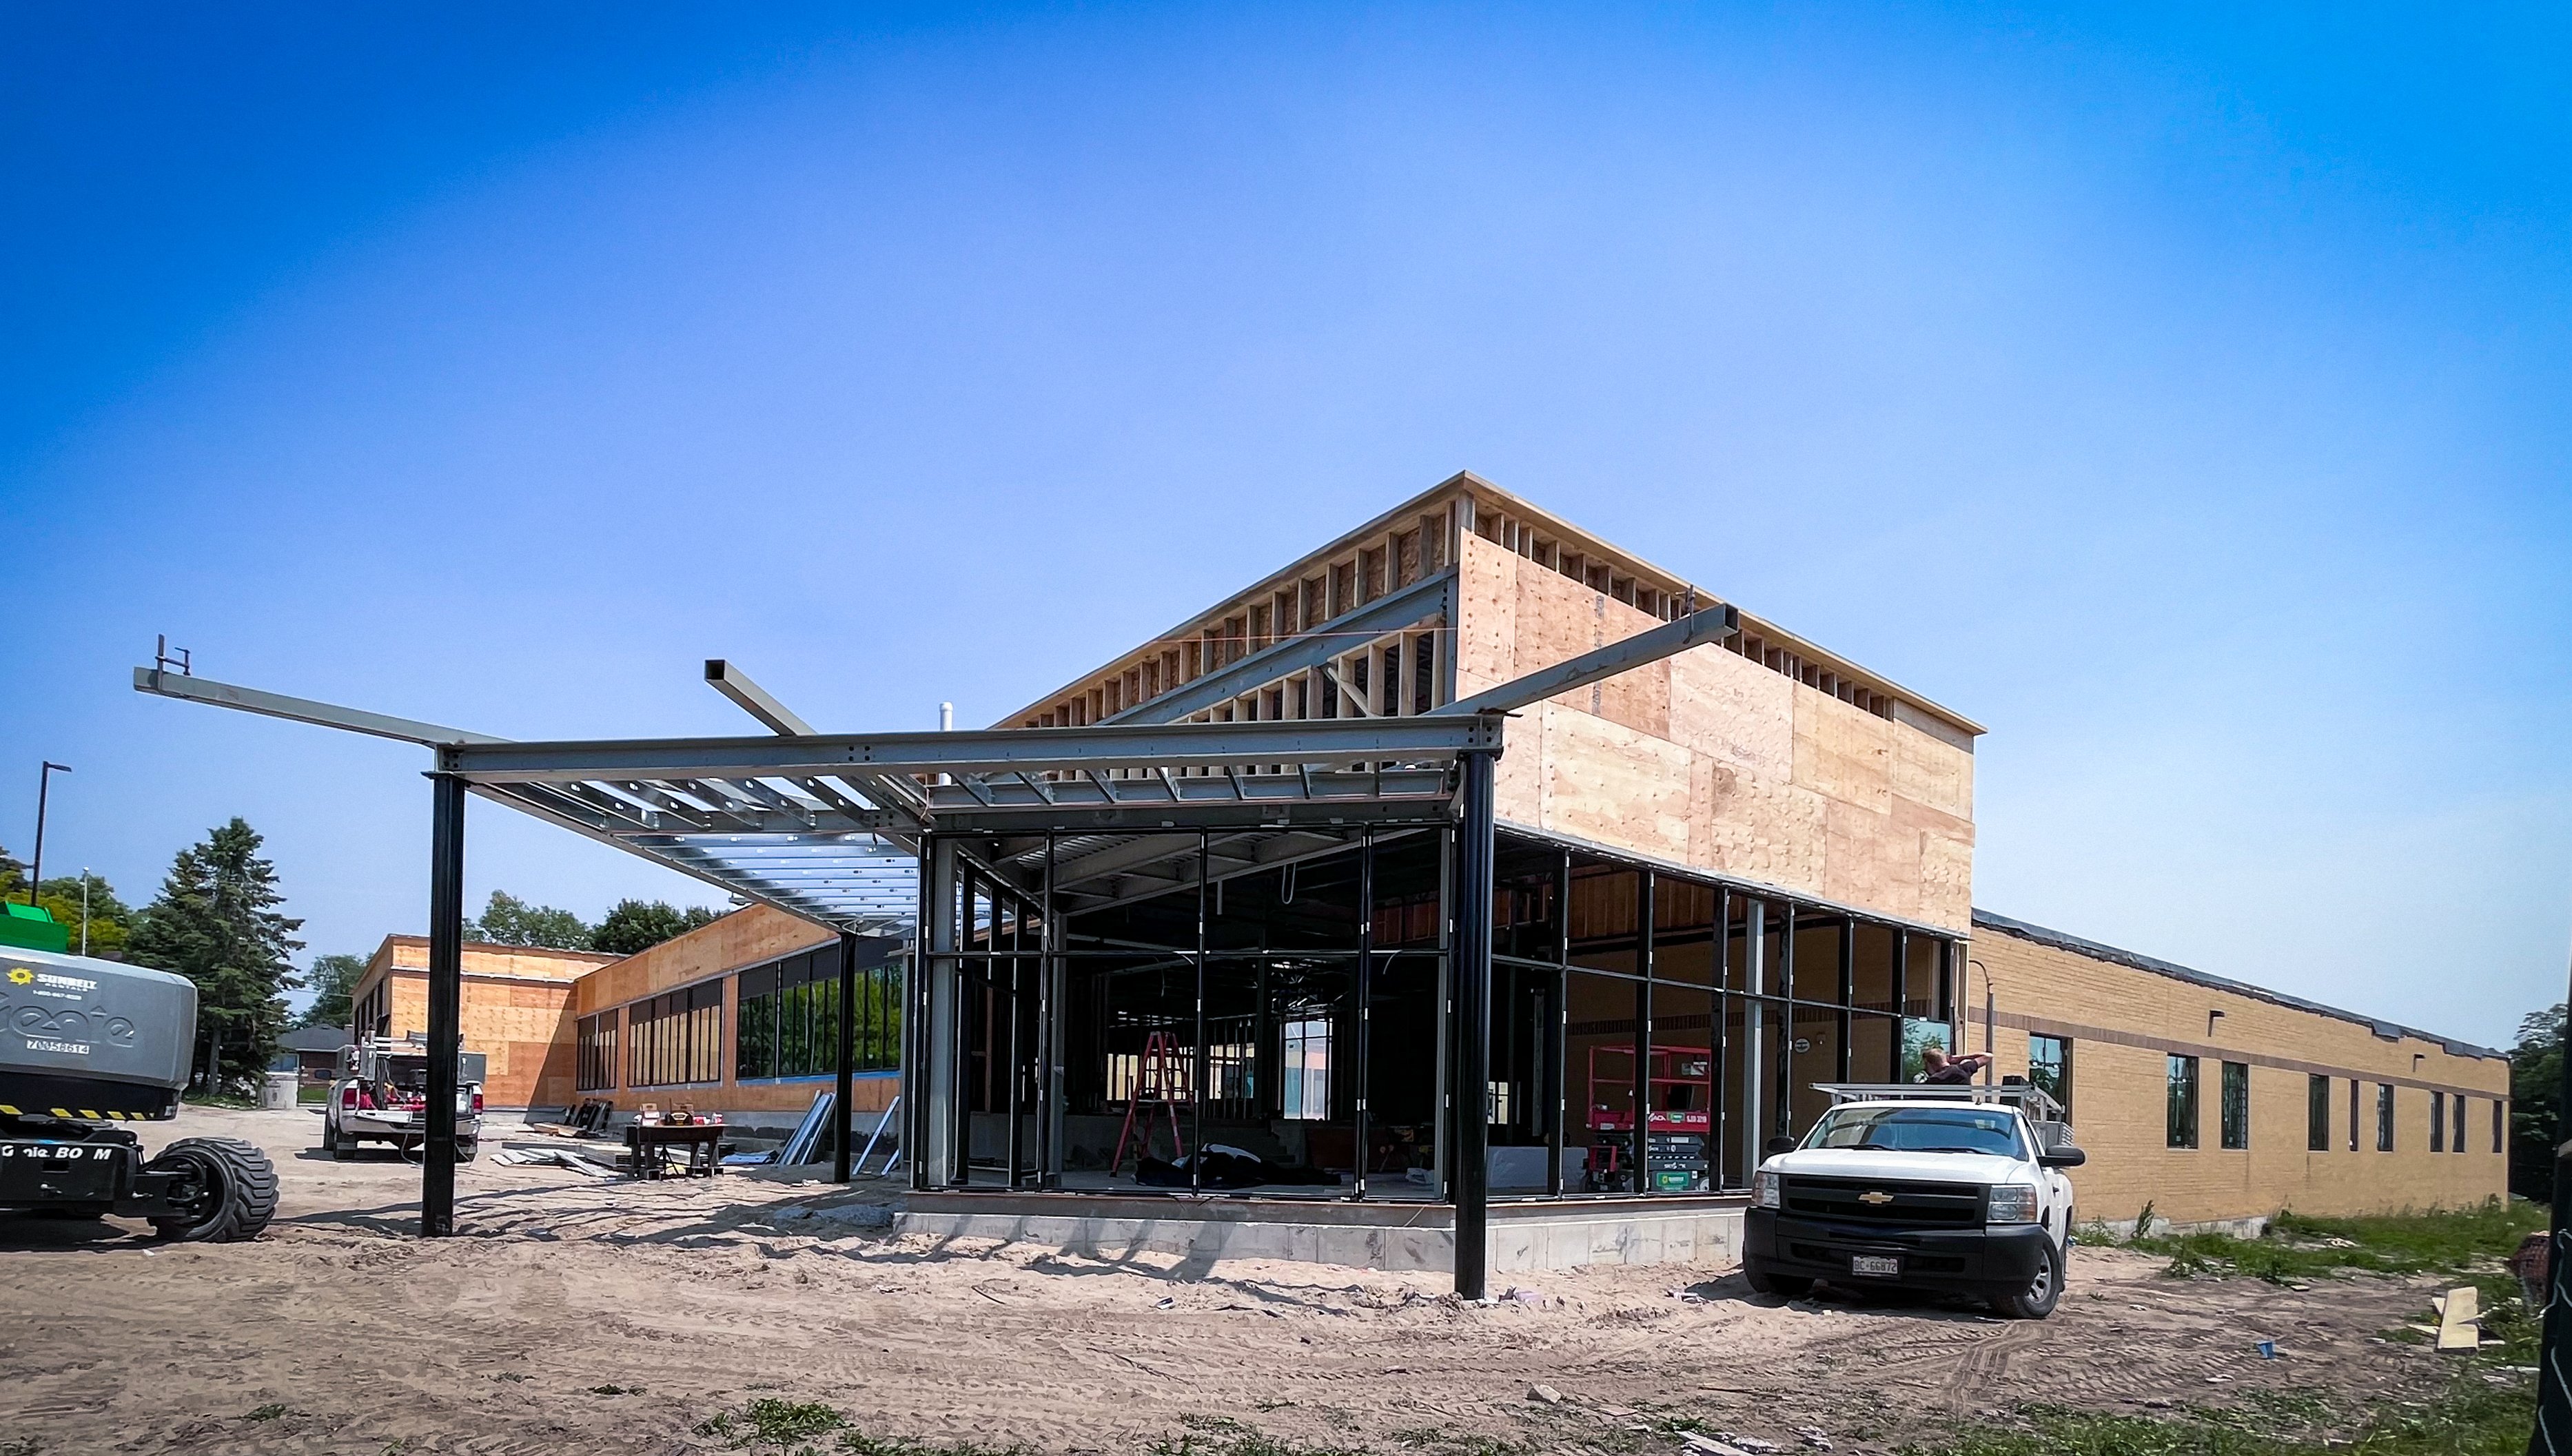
[44, 781]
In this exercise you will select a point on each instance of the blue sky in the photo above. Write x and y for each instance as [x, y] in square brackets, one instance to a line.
[2183, 395]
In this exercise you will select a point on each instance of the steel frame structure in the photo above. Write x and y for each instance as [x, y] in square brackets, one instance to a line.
[864, 833]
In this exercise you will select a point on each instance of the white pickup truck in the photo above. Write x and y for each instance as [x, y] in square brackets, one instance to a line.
[382, 1095]
[1952, 1189]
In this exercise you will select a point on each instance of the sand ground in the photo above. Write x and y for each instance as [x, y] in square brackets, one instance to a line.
[579, 1314]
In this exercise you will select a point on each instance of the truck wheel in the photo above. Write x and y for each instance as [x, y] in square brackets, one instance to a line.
[2043, 1290]
[1785, 1286]
[237, 1190]
[329, 1138]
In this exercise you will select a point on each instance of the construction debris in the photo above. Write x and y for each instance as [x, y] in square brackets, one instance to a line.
[577, 1160]
[2460, 1318]
[1545, 1394]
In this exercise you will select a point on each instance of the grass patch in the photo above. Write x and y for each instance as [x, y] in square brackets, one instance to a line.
[2296, 1249]
[2483, 1411]
[218, 1100]
[795, 1427]
[768, 1421]
[2475, 1419]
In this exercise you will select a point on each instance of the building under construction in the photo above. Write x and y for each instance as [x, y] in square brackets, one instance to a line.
[1494, 893]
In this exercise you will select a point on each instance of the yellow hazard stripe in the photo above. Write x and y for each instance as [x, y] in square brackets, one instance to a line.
[7, 1111]
[62, 1112]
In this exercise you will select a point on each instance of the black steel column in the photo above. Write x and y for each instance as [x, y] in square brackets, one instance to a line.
[445, 1003]
[1470, 1036]
[914, 1030]
[1558, 1086]
[1365, 992]
[1048, 1089]
[2553, 1433]
[1018, 1019]
[1200, 1063]
[1642, 1167]
[843, 1118]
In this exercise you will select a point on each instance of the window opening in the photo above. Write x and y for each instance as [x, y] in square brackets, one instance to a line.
[2182, 1101]
[2237, 1105]
[2049, 1069]
[1305, 1071]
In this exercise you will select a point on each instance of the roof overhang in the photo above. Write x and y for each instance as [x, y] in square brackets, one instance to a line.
[829, 826]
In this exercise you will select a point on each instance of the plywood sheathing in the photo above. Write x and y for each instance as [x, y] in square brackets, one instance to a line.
[1712, 760]
[746, 937]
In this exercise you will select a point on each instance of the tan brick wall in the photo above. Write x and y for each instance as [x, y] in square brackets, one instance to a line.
[2124, 1023]
[1711, 760]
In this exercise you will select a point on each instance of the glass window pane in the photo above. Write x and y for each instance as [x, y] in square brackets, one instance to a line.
[2182, 1101]
[2317, 1100]
[2049, 1069]
[2237, 1105]
[1917, 1038]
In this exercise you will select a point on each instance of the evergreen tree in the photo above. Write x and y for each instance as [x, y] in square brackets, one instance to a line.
[216, 922]
[332, 979]
[13, 877]
[509, 920]
[637, 925]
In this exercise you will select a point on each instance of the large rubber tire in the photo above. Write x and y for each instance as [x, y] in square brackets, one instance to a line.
[329, 1138]
[239, 1190]
[2042, 1293]
[1785, 1286]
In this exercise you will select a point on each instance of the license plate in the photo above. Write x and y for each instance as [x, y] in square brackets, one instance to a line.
[1884, 1265]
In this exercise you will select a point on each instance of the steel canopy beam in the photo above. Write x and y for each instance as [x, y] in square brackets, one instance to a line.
[1713, 625]
[302, 710]
[1422, 598]
[990, 751]
[755, 700]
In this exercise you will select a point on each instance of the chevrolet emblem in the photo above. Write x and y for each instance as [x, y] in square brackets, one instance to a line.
[1875, 1196]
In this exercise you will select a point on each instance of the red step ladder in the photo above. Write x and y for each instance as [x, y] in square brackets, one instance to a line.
[1154, 1082]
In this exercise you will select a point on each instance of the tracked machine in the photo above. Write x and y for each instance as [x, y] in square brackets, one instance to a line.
[87, 1049]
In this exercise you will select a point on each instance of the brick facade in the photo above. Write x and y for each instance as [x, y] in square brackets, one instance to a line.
[2125, 1020]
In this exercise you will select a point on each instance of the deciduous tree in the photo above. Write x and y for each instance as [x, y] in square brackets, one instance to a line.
[508, 921]
[639, 925]
[332, 977]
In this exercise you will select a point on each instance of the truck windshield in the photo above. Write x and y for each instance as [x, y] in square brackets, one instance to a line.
[1917, 1130]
